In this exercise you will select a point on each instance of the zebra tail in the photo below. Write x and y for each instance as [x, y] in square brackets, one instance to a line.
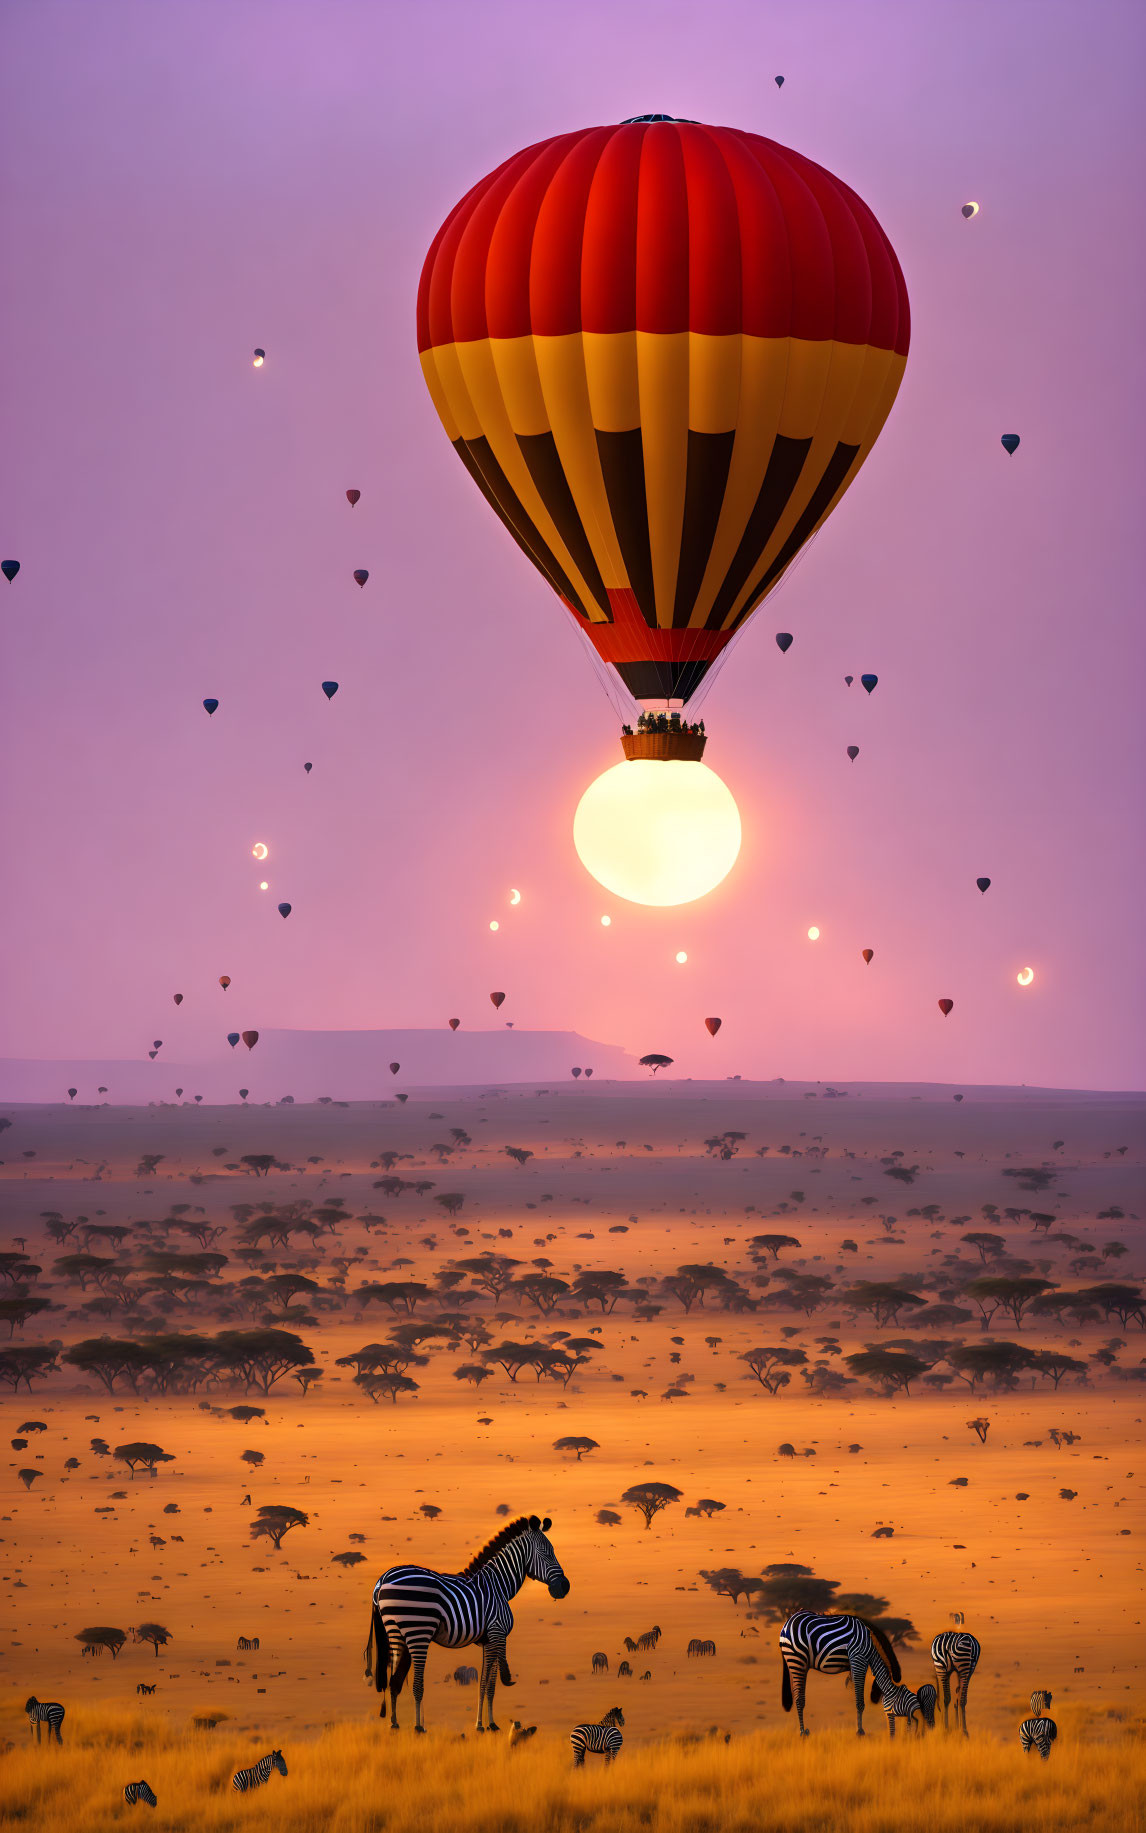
[503, 1670]
[889, 1655]
[377, 1644]
[785, 1686]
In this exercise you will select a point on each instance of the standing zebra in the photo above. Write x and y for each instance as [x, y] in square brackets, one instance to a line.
[1038, 1734]
[650, 1638]
[139, 1791]
[901, 1702]
[600, 1664]
[928, 1700]
[835, 1645]
[247, 1642]
[955, 1655]
[1040, 1702]
[413, 1607]
[45, 1712]
[260, 1772]
[144, 1688]
[604, 1739]
[697, 1647]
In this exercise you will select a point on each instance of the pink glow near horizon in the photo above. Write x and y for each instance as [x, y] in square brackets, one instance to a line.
[187, 182]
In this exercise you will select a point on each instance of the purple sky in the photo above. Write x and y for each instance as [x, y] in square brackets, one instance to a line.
[186, 181]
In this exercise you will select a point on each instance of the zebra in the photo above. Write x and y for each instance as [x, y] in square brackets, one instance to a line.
[955, 1655]
[144, 1688]
[45, 1712]
[412, 1607]
[624, 1671]
[1039, 1734]
[247, 1642]
[650, 1638]
[1040, 1702]
[139, 1791]
[901, 1702]
[604, 1740]
[600, 1664]
[647, 1675]
[928, 1700]
[260, 1772]
[835, 1645]
[697, 1647]
[630, 1645]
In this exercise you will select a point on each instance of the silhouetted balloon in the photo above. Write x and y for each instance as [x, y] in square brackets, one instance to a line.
[153, 1054]
[284, 910]
[454, 1023]
[848, 679]
[250, 1039]
[72, 1093]
[157, 1042]
[712, 1025]
[984, 884]
[178, 998]
[361, 575]
[9, 568]
[352, 497]
[655, 1061]
[867, 954]
[574, 1073]
[101, 1091]
[869, 682]
[259, 357]
[394, 1068]
[970, 210]
[403, 1098]
[224, 981]
[308, 768]
[210, 706]
[779, 82]
[178, 1091]
[232, 1038]
[588, 1072]
[1010, 442]
[853, 752]
[243, 1093]
[956, 1097]
[945, 1006]
[330, 688]
[496, 1000]
[784, 641]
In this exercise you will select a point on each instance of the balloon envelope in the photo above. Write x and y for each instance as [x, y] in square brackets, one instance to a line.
[243, 1093]
[712, 1026]
[984, 884]
[848, 679]
[352, 497]
[308, 768]
[224, 981]
[178, 998]
[496, 1000]
[945, 1006]
[361, 575]
[1010, 442]
[9, 568]
[72, 1093]
[454, 1023]
[394, 1068]
[284, 910]
[232, 1038]
[250, 1039]
[956, 1097]
[330, 688]
[210, 706]
[868, 954]
[869, 682]
[157, 1042]
[574, 1073]
[779, 81]
[970, 210]
[853, 752]
[784, 641]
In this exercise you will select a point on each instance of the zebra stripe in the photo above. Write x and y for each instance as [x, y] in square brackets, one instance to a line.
[412, 1607]
[901, 1702]
[1040, 1702]
[955, 1656]
[604, 1740]
[246, 1642]
[139, 1791]
[650, 1638]
[260, 1772]
[1038, 1734]
[45, 1712]
[697, 1647]
[928, 1700]
[834, 1645]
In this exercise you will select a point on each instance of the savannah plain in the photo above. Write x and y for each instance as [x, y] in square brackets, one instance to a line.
[891, 1495]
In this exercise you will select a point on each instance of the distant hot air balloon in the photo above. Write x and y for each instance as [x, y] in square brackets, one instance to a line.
[9, 568]
[243, 1093]
[308, 768]
[956, 1097]
[258, 359]
[72, 1093]
[153, 1054]
[250, 1039]
[394, 1068]
[779, 82]
[712, 1025]
[101, 1091]
[868, 954]
[454, 1023]
[284, 910]
[655, 1061]
[496, 1000]
[224, 981]
[1010, 442]
[352, 497]
[588, 1072]
[869, 682]
[945, 1006]
[178, 998]
[574, 1073]
[970, 210]
[158, 1043]
[848, 679]
[330, 688]
[403, 1099]
[178, 1091]
[232, 1038]
[210, 706]
[361, 575]
[984, 884]
[853, 752]
[784, 641]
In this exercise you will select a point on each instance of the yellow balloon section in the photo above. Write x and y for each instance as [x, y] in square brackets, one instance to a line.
[1025, 976]
[658, 831]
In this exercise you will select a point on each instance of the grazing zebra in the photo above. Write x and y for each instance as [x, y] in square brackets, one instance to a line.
[412, 1607]
[247, 1642]
[260, 1772]
[928, 1700]
[647, 1675]
[955, 1655]
[630, 1645]
[600, 1664]
[697, 1647]
[650, 1638]
[1040, 1702]
[835, 1645]
[624, 1671]
[144, 1688]
[45, 1712]
[958, 1618]
[901, 1702]
[465, 1677]
[1038, 1734]
[604, 1739]
[139, 1791]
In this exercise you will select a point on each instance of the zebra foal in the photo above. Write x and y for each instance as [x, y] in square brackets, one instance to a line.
[1038, 1734]
[260, 1772]
[604, 1740]
[135, 1792]
[955, 1656]
[45, 1712]
[835, 1645]
[1040, 1702]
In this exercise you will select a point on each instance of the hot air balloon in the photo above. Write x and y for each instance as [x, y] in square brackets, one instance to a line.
[178, 1091]
[250, 1039]
[496, 1000]
[403, 1099]
[1010, 443]
[784, 641]
[655, 1061]
[232, 1038]
[153, 1054]
[284, 910]
[101, 1091]
[712, 1025]
[308, 768]
[662, 351]
[210, 706]
[848, 679]
[869, 682]
[178, 998]
[243, 1093]
[352, 497]
[258, 359]
[72, 1093]
[588, 1072]
[779, 81]
[970, 210]
[330, 688]
[157, 1042]
[9, 568]
[394, 1068]
[224, 981]
[574, 1073]
[853, 752]
[361, 575]
[984, 884]
[945, 1006]
[868, 954]
[956, 1097]
[454, 1023]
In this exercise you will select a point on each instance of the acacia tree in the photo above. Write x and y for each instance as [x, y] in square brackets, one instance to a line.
[153, 1633]
[492, 1272]
[729, 1582]
[141, 1455]
[980, 1427]
[472, 1371]
[771, 1244]
[882, 1298]
[275, 1520]
[1010, 1295]
[894, 1369]
[253, 1458]
[101, 1638]
[579, 1445]
[769, 1364]
[602, 1287]
[27, 1364]
[650, 1498]
[387, 1381]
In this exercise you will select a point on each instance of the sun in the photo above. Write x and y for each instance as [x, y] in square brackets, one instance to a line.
[658, 831]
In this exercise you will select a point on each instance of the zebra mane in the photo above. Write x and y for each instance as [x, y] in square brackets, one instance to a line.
[504, 1535]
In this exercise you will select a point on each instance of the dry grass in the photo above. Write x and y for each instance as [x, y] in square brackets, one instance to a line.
[358, 1778]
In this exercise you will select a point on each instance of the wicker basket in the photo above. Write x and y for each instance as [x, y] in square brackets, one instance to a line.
[689, 746]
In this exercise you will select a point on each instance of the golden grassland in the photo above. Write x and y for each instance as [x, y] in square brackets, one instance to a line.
[360, 1778]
